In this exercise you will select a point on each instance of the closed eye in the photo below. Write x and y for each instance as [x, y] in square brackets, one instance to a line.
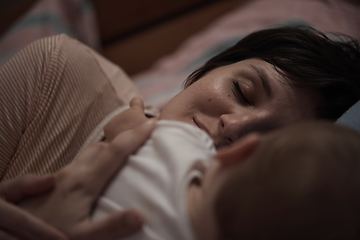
[239, 93]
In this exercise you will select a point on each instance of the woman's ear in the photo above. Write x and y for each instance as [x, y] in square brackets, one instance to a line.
[240, 151]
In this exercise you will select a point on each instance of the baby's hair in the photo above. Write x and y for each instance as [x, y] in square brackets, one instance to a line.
[305, 58]
[303, 182]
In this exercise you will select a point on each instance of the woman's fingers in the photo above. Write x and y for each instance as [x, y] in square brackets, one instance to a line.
[114, 155]
[129, 119]
[129, 141]
[99, 162]
[137, 102]
[16, 223]
[68, 207]
[22, 225]
[118, 225]
[28, 185]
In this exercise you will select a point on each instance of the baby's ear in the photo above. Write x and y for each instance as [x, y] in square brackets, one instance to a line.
[240, 151]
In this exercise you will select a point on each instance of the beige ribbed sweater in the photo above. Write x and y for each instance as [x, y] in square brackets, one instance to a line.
[54, 95]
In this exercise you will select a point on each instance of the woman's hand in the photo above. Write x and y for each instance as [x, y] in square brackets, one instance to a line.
[126, 120]
[78, 186]
[16, 223]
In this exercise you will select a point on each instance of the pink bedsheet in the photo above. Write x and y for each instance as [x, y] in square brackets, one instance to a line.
[75, 18]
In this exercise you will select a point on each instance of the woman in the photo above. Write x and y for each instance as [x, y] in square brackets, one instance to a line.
[269, 79]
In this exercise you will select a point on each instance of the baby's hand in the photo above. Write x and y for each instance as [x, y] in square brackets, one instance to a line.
[126, 120]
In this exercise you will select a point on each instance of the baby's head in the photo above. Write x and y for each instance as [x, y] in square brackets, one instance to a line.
[301, 182]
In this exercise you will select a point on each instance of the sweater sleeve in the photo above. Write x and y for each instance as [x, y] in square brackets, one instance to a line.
[53, 93]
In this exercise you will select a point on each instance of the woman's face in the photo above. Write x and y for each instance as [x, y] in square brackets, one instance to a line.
[236, 99]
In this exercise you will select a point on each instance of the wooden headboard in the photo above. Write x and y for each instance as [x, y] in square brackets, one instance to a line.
[136, 33]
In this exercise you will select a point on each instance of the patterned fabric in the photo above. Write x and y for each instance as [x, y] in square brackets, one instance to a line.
[53, 94]
[75, 18]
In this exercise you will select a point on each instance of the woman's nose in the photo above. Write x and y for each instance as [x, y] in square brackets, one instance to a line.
[233, 127]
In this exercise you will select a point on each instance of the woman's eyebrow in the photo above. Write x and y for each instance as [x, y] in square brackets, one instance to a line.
[264, 79]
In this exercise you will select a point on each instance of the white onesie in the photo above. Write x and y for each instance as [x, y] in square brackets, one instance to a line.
[156, 179]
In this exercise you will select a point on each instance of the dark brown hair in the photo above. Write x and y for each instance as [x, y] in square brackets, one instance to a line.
[306, 58]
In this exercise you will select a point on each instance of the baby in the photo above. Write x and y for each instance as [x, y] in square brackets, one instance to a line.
[157, 181]
[301, 182]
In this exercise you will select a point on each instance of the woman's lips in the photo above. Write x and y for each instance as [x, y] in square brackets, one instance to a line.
[202, 126]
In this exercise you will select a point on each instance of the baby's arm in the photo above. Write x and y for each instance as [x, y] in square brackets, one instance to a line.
[126, 120]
